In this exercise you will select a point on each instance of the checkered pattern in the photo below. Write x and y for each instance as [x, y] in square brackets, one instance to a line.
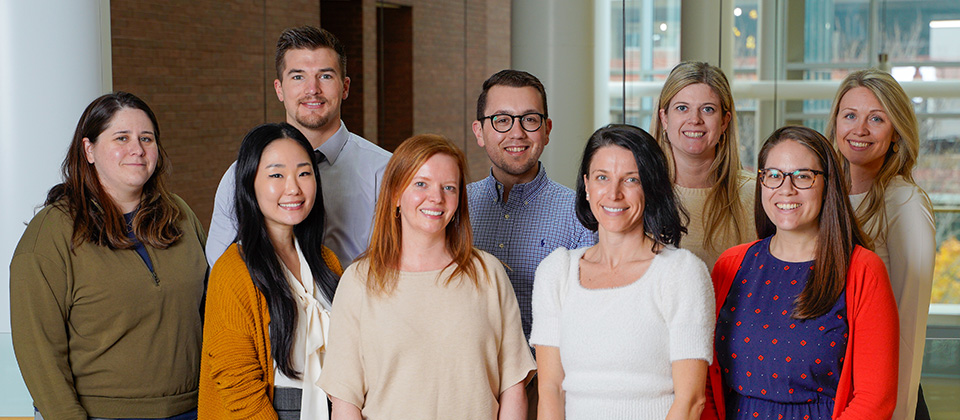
[537, 218]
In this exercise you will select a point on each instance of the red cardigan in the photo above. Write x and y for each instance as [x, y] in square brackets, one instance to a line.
[868, 378]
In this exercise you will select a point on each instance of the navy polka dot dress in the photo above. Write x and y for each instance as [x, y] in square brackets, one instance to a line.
[775, 366]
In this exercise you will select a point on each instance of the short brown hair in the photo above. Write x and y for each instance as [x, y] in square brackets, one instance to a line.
[510, 78]
[309, 38]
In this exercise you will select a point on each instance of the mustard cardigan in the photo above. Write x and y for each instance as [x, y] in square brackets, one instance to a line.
[236, 367]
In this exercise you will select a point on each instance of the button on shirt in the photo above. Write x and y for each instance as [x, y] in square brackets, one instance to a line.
[350, 177]
[537, 218]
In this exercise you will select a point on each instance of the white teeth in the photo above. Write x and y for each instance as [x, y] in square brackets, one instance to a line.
[858, 144]
[694, 134]
[291, 205]
[431, 212]
[613, 210]
[784, 206]
[516, 149]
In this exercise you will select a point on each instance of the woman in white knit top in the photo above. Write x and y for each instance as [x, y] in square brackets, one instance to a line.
[875, 129]
[623, 329]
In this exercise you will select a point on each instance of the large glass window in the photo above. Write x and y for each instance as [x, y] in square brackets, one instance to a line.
[788, 59]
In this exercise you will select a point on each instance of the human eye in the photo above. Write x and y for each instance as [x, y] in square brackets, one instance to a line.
[275, 175]
[709, 109]
[681, 108]
[306, 173]
[326, 76]
[146, 139]
[531, 118]
[849, 116]
[633, 180]
[773, 174]
[876, 119]
[450, 188]
[803, 175]
[420, 184]
[601, 177]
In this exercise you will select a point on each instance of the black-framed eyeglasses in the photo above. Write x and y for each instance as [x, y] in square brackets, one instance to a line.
[802, 179]
[502, 123]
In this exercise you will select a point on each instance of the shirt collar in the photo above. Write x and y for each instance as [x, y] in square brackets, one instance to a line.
[334, 145]
[525, 191]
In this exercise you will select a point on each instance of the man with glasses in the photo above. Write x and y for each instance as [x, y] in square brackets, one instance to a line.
[517, 213]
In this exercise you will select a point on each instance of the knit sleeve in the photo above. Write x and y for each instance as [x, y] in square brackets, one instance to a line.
[231, 340]
[515, 360]
[39, 307]
[546, 298]
[872, 347]
[331, 259]
[343, 373]
[911, 247]
[687, 304]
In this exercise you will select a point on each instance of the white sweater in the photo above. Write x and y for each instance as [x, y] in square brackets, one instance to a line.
[617, 344]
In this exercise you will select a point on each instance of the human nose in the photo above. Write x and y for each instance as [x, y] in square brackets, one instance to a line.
[313, 85]
[516, 127]
[435, 195]
[293, 186]
[136, 148]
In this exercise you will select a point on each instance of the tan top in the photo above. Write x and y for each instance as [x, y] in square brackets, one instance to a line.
[427, 350]
[694, 200]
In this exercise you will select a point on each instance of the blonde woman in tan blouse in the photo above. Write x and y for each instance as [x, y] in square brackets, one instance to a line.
[696, 127]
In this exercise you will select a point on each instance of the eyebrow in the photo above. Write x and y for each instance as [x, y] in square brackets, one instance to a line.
[323, 70]
[528, 111]
[128, 132]
[280, 165]
[869, 110]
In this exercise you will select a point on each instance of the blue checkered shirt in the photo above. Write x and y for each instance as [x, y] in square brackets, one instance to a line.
[537, 218]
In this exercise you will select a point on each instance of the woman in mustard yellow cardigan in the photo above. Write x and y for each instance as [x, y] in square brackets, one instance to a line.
[270, 294]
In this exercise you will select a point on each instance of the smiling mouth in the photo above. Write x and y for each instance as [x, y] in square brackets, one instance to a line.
[291, 206]
[787, 206]
[613, 209]
[694, 134]
[431, 212]
[313, 104]
[859, 144]
[515, 149]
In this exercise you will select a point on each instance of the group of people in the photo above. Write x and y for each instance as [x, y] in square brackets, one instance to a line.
[348, 283]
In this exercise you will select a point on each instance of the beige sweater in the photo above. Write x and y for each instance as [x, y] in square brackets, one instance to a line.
[694, 201]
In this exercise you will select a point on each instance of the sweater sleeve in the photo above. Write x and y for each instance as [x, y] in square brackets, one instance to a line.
[911, 246]
[39, 309]
[687, 305]
[545, 303]
[515, 360]
[230, 341]
[874, 335]
[343, 372]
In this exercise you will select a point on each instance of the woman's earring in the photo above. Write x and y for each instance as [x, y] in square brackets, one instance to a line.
[398, 212]
[588, 196]
[895, 147]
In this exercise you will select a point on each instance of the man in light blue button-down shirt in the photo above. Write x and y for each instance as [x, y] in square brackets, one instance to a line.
[311, 83]
[517, 213]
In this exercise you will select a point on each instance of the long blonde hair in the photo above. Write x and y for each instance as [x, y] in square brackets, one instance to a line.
[723, 206]
[383, 254]
[899, 109]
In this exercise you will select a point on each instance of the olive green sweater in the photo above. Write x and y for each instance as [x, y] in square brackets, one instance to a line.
[96, 333]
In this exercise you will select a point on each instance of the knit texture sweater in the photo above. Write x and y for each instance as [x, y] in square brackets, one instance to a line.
[617, 344]
[868, 378]
[236, 370]
[694, 200]
[96, 333]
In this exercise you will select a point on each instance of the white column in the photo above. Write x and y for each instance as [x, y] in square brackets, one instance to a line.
[54, 60]
[553, 40]
[707, 33]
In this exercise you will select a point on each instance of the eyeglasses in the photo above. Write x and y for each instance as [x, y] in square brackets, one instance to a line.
[802, 179]
[502, 123]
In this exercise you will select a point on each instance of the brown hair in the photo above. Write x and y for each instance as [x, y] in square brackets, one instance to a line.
[308, 38]
[839, 232]
[899, 109]
[96, 218]
[723, 206]
[383, 254]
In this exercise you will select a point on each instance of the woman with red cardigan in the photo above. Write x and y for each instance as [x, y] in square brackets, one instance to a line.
[806, 320]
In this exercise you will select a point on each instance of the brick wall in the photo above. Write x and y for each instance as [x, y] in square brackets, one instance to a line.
[206, 67]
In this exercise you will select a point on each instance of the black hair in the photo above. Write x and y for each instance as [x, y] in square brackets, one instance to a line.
[257, 251]
[664, 219]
